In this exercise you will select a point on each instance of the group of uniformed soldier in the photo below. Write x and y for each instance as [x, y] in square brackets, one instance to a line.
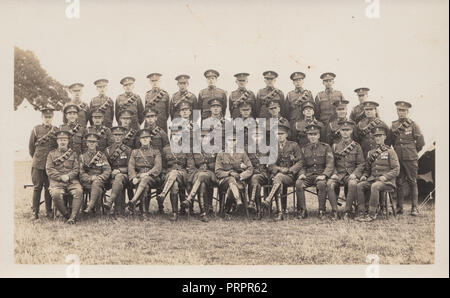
[318, 146]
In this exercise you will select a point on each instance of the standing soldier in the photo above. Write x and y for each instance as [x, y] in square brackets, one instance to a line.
[299, 131]
[103, 103]
[159, 138]
[357, 113]
[325, 99]
[268, 93]
[83, 109]
[176, 170]
[130, 101]
[232, 169]
[212, 92]
[241, 94]
[144, 169]
[332, 135]
[283, 172]
[216, 108]
[349, 165]
[407, 139]
[318, 166]
[94, 171]
[159, 99]
[297, 97]
[62, 169]
[130, 137]
[42, 141]
[366, 125]
[274, 107]
[103, 132]
[203, 181]
[381, 169]
[118, 155]
[75, 128]
[181, 95]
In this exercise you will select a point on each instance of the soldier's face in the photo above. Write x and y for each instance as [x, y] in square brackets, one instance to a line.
[185, 113]
[269, 82]
[245, 113]
[63, 143]
[128, 87]
[282, 136]
[298, 83]
[118, 138]
[211, 81]
[98, 120]
[308, 112]
[362, 97]
[341, 112]
[328, 83]
[183, 86]
[145, 141]
[101, 89]
[346, 133]
[216, 110]
[402, 113]
[379, 139]
[47, 119]
[151, 118]
[76, 94]
[274, 111]
[126, 122]
[72, 116]
[370, 113]
[92, 145]
[313, 137]
[155, 83]
[241, 83]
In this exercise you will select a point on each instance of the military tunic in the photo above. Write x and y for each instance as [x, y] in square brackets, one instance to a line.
[289, 157]
[363, 133]
[83, 113]
[332, 134]
[407, 140]
[159, 100]
[203, 168]
[299, 131]
[77, 133]
[130, 101]
[383, 162]
[105, 136]
[94, 163]
[42, 141]
[264, 96]
[177, 167]
[206, 95]
[227, 163]
[130, 138]
[118, 156]
[145, 161]
[295, 99]
[325, 108]
[105, 104]
[159, 138]
[237, 96]
[179, 97]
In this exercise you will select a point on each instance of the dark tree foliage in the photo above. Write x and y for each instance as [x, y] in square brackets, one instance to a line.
[32, 83]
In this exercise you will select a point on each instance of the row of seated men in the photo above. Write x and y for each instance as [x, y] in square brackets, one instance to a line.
[360, 157]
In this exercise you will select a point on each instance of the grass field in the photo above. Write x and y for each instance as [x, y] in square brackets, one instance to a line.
[403, 240]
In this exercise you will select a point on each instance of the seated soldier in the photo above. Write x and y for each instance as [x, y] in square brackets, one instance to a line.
[299, 129]
[318, 165]
[381, 170]
[175, 171]
[118, 155]
[76, 129]
[101, 130]
[129, 138]
[260, 175]
[203, 181]
[144, 169]
[349, 164]
[232, 169]
[62, 169]
[94, 171]
[283, 172]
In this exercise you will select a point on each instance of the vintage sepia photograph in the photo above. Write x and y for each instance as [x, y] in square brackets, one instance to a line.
[227, 133]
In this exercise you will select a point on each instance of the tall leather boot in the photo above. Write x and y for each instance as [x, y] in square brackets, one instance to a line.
[61, 207]
[174, 203]
[273, 191]
[279, 211]
[36, 202]
[76, 206]
[201, 203]
[48, 203]
[414, 198]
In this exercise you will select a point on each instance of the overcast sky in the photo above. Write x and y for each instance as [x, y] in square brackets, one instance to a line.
[403, 55]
